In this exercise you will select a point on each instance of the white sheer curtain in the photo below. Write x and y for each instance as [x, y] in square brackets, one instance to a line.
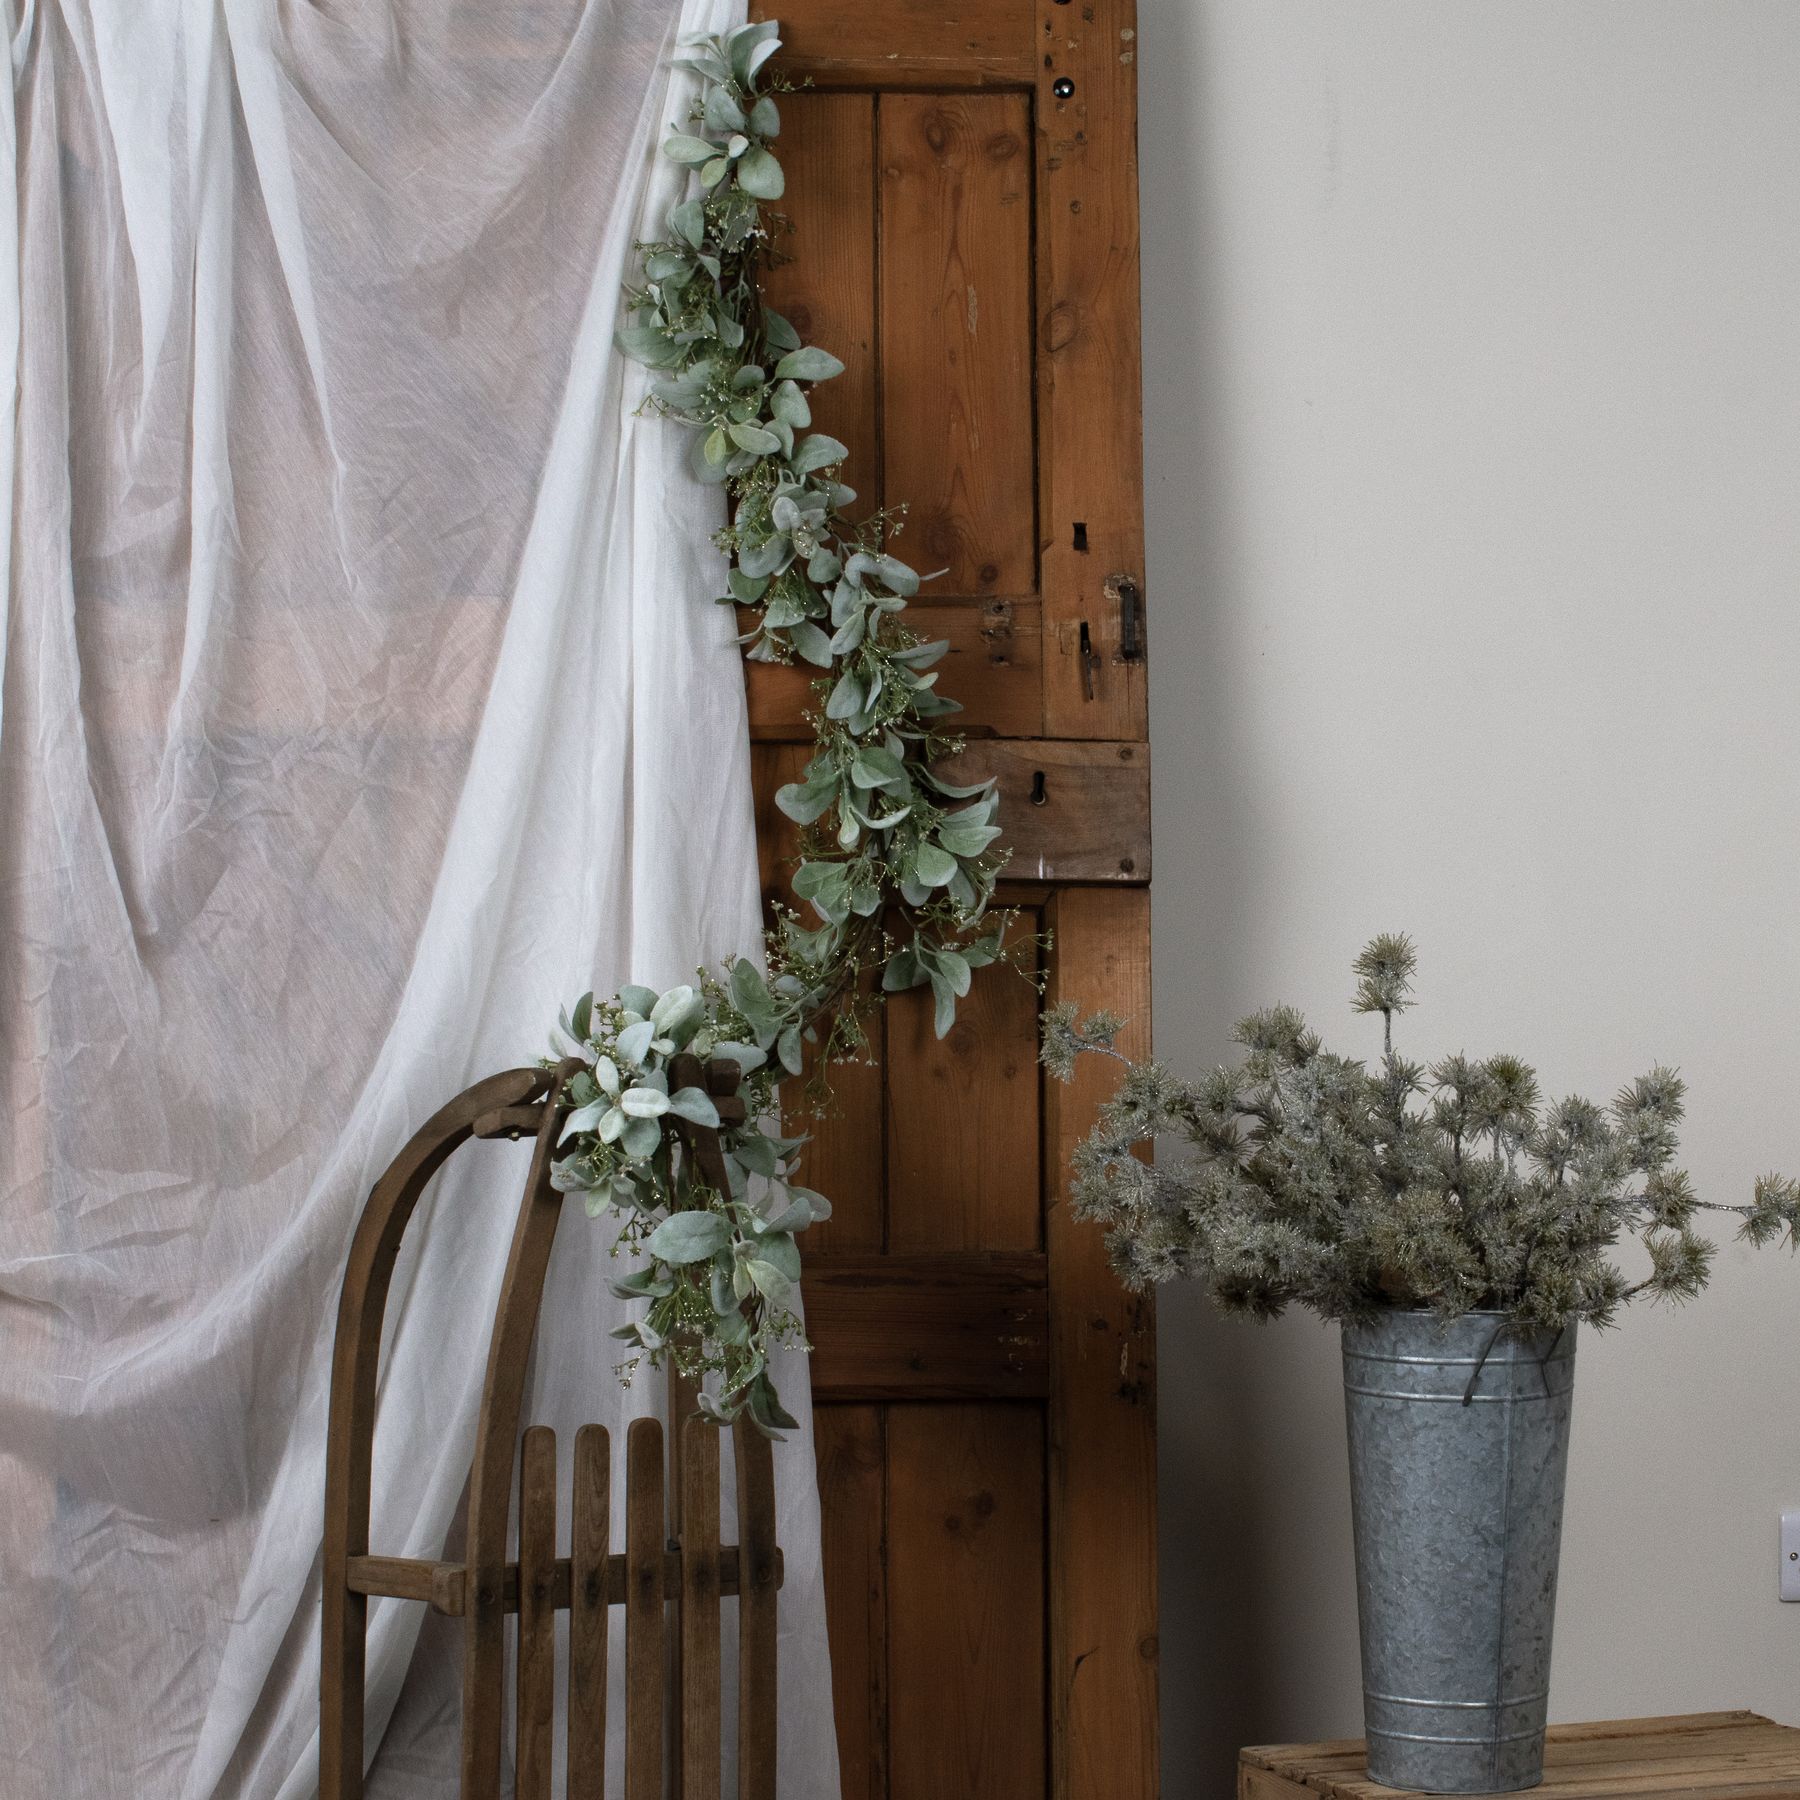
[361, 703]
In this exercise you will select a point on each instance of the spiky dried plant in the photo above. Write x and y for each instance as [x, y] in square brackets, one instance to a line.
[1319, 1180]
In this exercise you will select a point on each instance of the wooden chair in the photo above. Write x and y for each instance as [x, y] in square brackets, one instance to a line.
[673, 1563]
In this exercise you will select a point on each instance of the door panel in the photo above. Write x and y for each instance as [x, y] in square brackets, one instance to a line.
[851, 1444]
[828, 142]
[965, 239]
[967, 1689]
[956, 374]
[963, 1133]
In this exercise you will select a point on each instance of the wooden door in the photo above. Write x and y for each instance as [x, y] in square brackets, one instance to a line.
[963, 191]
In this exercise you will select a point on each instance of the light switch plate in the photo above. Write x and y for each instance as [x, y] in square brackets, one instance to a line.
[1790, 1554]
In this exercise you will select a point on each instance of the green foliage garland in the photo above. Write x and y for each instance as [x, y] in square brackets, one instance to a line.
[1319, 1181]
[884, 835]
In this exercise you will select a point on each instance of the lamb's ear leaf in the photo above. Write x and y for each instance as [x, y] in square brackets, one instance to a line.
[769, 1280]
[818, 452]
[759, 174]
[933, 866]
[722, 112]
[808, 364]
[641, 1137]
[757, 57]
[776, 330]
[584, 1118]
[703, 62]
[812, 643]
[766, 1410]
[647, 344]
[688, 1237]
[702, 461]
[694, 1106]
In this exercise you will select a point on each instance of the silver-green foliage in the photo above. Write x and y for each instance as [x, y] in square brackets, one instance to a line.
[1319, 1180]
[715, 1270]
[884, 835]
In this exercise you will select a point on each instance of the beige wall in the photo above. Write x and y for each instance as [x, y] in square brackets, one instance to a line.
[1472, 396]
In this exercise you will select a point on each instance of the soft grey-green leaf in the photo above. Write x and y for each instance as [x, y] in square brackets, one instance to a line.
[695, 1106]
[760, 174]
[688, 1237]
[682, 148]
[808, 364]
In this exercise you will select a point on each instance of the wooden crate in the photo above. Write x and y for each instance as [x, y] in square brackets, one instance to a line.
[1724, 1756]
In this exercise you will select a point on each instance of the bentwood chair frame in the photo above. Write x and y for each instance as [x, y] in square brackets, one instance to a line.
[669, 1564]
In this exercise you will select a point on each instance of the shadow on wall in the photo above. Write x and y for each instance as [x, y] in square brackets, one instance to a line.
[1216, 1685]
[1249, 1546]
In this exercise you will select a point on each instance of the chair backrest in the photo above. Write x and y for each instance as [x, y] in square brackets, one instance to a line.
[672, 1560]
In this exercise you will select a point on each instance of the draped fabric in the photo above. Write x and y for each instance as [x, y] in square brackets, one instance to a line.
[361, 704]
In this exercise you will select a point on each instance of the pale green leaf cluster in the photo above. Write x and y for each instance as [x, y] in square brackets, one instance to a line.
[879, 822]
[897, 864]
[716, 1270]
[1318, 1180]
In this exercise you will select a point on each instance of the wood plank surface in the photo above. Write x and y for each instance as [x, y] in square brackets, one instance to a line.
[589, 1534]
[443, 1584]
[645, 1534]
[757, 1627]
[535, 1689]
[701, 1697]
[1259, 1784]
[936, 43]
[496, 1446]
[1090, 466]
[994, 668]
[826, 286]
[928, 1327]
[966, 1651]
[849, 1444]
[845, 1157]
[1722, 1756]
[956, 329]
[963, 1149]
[1068, 811]
[1103, 1648]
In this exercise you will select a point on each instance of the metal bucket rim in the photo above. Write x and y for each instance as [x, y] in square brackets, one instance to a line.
[1431, 1312]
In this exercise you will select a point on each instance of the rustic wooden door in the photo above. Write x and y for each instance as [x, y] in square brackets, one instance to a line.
[963, 193]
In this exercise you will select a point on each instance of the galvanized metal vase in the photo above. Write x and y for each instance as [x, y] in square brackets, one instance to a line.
[1459, 1443]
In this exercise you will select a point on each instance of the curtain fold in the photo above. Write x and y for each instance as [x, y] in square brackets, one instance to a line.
[361, 704]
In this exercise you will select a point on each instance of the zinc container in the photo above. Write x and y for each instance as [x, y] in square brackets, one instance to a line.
[1459, 1445]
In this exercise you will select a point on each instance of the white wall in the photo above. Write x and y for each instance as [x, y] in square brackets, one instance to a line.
[1472, 395]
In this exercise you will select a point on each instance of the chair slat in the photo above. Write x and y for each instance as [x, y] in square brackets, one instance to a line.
[758, 1580]
[644, 1539]
[588, 1544]
[496, 1445]
[700, 1697]
[536, 1703]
